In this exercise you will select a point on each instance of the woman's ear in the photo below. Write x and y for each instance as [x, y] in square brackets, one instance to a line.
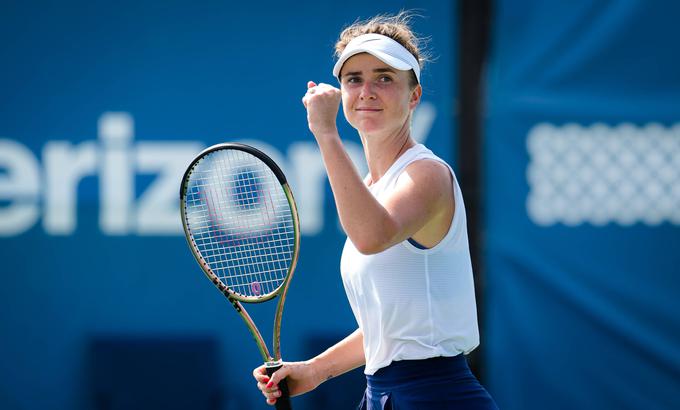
[416, 93]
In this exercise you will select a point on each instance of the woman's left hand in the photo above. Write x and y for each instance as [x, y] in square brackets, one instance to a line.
[322, 102]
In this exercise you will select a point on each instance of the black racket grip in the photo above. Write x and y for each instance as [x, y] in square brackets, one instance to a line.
[283, 401]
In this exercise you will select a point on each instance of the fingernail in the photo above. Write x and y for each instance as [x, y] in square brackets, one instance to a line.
[270, 384]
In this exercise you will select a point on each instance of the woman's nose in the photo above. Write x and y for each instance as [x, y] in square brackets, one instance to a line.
[367, 91]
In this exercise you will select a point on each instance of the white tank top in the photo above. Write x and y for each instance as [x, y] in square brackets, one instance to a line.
[413, 303]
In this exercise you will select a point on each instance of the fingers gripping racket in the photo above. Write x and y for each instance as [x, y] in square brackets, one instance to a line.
[241, 223]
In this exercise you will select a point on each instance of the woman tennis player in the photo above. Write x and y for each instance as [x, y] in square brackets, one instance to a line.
[406, 263]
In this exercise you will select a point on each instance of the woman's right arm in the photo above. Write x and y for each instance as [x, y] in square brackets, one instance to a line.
[305, 376]
[346, 355]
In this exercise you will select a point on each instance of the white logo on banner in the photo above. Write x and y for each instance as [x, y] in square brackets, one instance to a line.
[29, 189]
[602, 174]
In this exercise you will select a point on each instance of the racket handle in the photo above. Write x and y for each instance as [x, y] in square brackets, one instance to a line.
[283, 401]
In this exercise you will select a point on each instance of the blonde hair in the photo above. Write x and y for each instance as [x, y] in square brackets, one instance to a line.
[396, 27]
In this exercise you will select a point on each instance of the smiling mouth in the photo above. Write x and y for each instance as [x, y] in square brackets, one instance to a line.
[369, 109]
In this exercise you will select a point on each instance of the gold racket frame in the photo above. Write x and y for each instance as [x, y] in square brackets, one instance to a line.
[234, 297]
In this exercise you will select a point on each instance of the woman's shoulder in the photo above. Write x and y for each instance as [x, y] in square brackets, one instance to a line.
[432, 171]
[422, 167]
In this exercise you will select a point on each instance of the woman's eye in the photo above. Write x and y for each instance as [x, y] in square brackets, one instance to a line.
[385, 79]
[353, 80]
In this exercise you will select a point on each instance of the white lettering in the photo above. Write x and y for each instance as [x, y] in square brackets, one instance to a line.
[308, 185]
[423, 117]
[116, 192]
[65, 166]
[116, 160]
[20, 185]
[158, 207]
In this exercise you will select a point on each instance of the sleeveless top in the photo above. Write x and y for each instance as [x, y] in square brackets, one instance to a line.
[413, 303]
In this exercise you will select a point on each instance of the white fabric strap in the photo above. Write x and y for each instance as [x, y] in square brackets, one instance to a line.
[382, 47]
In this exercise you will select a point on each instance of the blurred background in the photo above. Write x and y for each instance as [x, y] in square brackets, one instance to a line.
[562, 120]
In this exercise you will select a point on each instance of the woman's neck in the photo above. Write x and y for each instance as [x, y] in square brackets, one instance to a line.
[383, 150]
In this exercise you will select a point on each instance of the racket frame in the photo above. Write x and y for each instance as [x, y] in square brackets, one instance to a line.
[271, 361]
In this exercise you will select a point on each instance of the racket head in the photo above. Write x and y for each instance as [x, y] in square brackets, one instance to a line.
[240, 220]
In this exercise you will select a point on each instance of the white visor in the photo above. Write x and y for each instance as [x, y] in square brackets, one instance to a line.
[382, 47]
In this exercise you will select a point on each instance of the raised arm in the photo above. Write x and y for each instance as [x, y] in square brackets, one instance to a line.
[421, 202]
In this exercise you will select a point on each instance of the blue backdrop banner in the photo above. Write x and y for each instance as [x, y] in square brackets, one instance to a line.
[102, 106]
[582, 217]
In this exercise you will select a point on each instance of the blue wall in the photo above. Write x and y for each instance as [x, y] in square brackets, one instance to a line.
[582, 216]
[102, 105]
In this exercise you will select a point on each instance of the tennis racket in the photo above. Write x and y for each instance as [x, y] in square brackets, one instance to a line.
[241, 223]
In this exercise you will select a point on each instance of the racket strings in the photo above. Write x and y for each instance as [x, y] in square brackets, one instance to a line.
[241, 221]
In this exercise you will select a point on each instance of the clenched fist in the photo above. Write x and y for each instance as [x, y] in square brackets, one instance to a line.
[322, 102]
